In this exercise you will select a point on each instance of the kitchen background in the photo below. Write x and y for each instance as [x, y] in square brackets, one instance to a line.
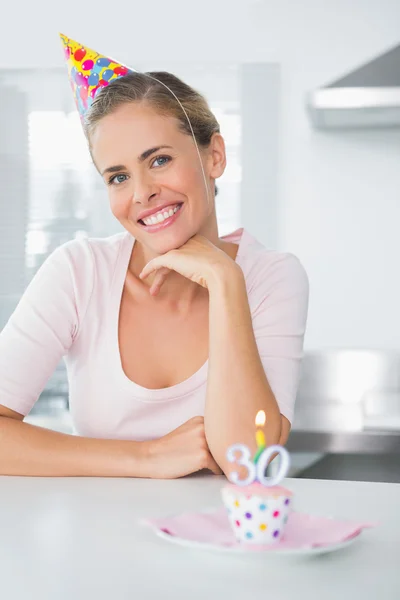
[329, 195]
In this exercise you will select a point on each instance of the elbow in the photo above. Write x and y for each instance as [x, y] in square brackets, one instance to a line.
[285, 431]
[276, 433]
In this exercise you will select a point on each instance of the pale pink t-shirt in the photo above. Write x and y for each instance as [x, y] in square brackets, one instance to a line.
[71, 309]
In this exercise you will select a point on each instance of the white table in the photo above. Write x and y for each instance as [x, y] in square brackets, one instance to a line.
[80, 539]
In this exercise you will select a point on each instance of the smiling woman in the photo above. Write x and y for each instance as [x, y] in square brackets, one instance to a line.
[174, 337]
[184, 155]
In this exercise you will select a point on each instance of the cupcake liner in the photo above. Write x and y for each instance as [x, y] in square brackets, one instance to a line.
[257, 517]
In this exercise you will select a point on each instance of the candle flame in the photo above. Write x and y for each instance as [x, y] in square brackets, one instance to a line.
[260, 418]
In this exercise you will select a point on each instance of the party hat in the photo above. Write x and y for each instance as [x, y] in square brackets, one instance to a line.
[88, 72]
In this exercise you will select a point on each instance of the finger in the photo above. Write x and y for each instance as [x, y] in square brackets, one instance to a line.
[165, 260]
[149, 268]
[159, 279]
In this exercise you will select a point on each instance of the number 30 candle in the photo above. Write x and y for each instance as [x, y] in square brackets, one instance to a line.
[256, 467]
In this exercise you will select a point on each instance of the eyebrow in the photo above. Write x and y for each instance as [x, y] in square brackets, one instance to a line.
[141, 159]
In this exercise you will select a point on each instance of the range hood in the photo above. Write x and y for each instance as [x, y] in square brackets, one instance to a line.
[366, 97]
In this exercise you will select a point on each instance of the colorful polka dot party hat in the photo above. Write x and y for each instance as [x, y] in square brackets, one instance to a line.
[88, 72]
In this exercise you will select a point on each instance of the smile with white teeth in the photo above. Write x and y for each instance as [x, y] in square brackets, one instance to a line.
[160, 216]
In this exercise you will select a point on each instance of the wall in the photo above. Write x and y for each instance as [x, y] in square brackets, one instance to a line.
[339, 198]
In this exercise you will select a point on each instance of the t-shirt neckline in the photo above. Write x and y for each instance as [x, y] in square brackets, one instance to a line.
[181, 389]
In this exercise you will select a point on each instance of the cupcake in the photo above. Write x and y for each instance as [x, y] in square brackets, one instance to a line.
[257, 513]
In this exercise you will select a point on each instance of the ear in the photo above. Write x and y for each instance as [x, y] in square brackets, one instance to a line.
[217, 156]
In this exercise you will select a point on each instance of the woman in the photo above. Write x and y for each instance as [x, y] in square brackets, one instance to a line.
[174, 337]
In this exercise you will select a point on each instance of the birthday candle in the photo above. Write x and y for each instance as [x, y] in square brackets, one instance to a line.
[257, 465]
[240, 454]
[260, 437]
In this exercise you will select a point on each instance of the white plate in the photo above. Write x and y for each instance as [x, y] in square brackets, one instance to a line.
[245, 550]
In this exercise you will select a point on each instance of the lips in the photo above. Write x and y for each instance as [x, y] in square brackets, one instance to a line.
[152, 211]
[164, 223]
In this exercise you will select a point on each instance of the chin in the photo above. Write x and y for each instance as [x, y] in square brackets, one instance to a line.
[164, 241]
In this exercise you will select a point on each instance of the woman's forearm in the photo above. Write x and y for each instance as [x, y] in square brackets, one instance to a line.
[237, 386]
[34, 451]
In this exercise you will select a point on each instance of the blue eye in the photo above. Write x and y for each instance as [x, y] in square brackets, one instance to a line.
[115, 179]
[163, 159]
[121, 178]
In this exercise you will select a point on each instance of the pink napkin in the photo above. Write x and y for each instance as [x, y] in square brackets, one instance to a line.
[302, 530]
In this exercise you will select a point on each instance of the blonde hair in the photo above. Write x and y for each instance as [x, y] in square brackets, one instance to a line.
[158, 89]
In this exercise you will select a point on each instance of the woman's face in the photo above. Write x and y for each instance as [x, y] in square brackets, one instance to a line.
[154, 177]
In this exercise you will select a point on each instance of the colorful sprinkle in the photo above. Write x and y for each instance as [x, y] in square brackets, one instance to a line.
[248, 515]
[249, 535]
[263, 507]
[236, 503]
[237, 523]
[276, 513]
[276, 533]
[287, 501]
[263, 527]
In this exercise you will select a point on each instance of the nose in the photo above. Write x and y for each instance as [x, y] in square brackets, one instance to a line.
[144, 189]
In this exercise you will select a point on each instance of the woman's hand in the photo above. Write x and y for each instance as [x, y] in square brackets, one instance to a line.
[180, 452]
[198, 260]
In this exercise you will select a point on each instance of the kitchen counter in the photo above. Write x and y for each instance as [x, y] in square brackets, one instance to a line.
[80, 538]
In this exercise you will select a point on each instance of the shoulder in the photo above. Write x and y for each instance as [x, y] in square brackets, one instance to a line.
[74, 274]
[83, 257]
[80, 268]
